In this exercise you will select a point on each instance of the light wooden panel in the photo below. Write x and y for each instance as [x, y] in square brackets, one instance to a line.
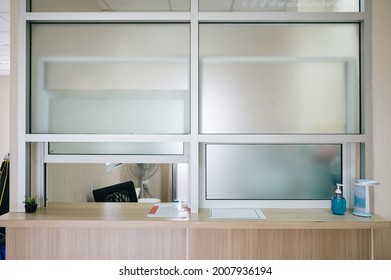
[96, 243]
[382, 244]
[279, 244]
[123, 231]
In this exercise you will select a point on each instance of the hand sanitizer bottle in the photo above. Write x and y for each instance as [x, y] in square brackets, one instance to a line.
[338, 202]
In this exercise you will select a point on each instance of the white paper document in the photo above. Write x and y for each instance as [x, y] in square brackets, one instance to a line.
[237, 214]
[168, 210]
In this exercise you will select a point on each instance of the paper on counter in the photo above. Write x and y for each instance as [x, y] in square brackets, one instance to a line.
[167, 210]
[237, 214]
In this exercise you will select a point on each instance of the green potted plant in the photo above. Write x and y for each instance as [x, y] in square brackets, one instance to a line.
[30, 204]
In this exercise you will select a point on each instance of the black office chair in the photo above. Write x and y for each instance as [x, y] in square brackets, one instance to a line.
[123, 192]
[2, 243]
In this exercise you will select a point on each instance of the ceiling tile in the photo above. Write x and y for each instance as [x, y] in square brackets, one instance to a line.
[4, 37]
[215, 5]
[137, 5]
[5, 6]
[4, 25]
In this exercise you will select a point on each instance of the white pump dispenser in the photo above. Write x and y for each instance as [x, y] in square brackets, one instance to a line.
[338, 190]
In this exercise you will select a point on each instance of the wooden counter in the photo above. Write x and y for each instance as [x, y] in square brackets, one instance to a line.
[123, 231]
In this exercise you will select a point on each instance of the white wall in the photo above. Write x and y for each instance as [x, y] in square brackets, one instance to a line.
[4, 116]
[382, 105]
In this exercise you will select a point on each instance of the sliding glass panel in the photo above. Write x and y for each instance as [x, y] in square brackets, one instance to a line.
[109, 5]
[110, 78]
[280, 5]
[279, 78]
[291, 172]
[116, 148]
[74, 182]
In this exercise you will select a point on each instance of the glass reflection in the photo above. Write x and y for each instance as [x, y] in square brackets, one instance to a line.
[110, 78]
[272, 171]
[110, 5]
[115, 148]
[280, 5]
[279, 78]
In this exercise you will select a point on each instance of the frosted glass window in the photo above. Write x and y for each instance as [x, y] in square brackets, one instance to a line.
[121, 148]
[280, 5]
[110, 5]
[110, 78]
[279, 78]
[251, 172]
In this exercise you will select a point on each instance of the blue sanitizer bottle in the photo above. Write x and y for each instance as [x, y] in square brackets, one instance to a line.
[338, 202]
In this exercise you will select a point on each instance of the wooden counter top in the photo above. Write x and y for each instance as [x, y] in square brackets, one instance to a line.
[129, 215]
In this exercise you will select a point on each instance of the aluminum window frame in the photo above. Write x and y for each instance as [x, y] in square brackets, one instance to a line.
[194, 141]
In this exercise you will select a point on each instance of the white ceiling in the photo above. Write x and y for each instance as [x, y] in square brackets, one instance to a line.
[4, 37]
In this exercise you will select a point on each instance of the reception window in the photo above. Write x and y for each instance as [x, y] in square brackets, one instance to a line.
[262, 101]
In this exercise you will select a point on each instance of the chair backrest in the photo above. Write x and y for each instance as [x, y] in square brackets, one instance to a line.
[122, 192]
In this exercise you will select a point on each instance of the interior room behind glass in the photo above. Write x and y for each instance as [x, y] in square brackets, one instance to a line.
[74, 182]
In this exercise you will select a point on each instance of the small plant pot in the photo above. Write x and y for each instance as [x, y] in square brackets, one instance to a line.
[30, 208]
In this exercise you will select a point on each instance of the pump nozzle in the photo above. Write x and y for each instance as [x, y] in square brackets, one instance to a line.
[338, 190]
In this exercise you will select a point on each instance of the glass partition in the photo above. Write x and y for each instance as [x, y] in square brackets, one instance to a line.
[279, 78]
[280, 5]
[278, 95]
[110, 78]
[258, 172]
[109, 5]
[120, 148]
[74, 182]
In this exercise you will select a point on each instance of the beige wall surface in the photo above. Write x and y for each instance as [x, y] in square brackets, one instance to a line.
[381, 90]
[4, 115]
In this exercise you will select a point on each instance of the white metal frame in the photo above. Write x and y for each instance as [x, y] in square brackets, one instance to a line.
[195, 140]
